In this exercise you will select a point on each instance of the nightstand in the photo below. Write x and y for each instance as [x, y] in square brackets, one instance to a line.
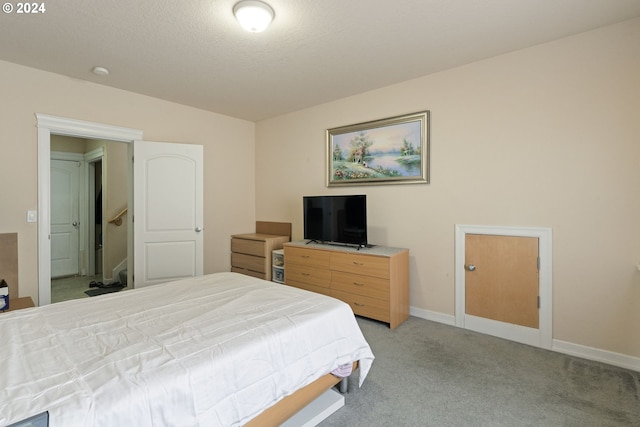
[251, 253]
[19, 303]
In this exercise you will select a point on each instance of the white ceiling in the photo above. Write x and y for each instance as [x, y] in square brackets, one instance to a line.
[195, 53]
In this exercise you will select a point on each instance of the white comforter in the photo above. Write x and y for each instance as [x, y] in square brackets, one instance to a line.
[209, 351]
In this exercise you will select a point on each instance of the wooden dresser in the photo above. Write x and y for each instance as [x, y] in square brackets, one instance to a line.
[251, 252]
[373, 281]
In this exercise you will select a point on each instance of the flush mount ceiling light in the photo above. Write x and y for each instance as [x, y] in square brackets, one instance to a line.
[100, 71]
[254, 16]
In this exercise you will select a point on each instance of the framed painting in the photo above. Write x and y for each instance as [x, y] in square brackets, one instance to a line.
[387, 151]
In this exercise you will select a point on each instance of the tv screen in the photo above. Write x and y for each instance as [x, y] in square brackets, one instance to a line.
[336, 219]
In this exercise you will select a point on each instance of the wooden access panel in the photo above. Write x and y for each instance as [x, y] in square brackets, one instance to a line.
[501, 278]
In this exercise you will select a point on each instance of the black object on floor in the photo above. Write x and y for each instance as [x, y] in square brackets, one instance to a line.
[105, 290]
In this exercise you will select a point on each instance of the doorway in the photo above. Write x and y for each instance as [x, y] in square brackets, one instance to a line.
[50, 125]
[533, 329]
[165, 167]
[98, 250]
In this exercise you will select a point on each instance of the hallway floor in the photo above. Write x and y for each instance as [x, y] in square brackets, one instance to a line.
[68, 288]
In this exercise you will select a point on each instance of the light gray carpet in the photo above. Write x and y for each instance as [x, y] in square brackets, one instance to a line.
[430, 374]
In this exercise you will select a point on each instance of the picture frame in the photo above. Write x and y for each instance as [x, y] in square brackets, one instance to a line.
[394, 150]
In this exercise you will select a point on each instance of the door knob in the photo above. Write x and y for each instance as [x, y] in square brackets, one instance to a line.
[75, 223]
[470, 267]
[198, 229]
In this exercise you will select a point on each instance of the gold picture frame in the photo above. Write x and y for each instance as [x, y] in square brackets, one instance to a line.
[394, 150]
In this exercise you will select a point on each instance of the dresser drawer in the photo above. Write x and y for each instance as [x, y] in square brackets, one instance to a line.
[305, 274]
[365, 306]
[249, 273]
[249, 262]
[373, 281]
[308, 257]
[249, 247]
[360, 264]
[308, 287]
[374, 287]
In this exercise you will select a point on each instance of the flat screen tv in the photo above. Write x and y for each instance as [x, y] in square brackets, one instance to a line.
[336, 219]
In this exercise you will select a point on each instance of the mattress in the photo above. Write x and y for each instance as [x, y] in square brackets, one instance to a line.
[215, 350]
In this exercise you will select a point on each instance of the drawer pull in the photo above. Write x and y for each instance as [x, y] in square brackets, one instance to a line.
[358, 304]
[304, 256]
[306, 274]
[358, 284]
[358, 263]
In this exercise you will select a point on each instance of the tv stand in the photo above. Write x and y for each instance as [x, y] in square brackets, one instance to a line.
[373, 281]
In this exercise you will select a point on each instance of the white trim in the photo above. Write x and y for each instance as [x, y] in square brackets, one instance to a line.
[88, 130]
[44, 216]
[508, 331]
[447, 319]
[91, 158]
[94, 155]
[598, 355]
[545, 331]
[63, 155]
[48, 125]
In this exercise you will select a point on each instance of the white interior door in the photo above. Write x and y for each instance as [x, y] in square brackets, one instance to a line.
[168, 212]
[65, 217]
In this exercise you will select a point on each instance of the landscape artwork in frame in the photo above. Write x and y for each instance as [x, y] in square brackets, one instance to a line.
[387, 151]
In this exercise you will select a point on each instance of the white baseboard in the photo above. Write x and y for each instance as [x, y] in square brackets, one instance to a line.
[447, 319]
[589, 353]
[598, 355]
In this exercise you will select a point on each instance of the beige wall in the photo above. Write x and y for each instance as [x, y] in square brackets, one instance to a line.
[68, 144]
[229, 200]
[543, 137]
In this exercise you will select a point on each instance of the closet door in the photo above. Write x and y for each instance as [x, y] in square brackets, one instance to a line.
[168, 212]
[502, 279]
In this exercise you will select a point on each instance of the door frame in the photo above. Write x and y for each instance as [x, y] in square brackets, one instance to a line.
[91, 158]
[541, 337]
[48, 125]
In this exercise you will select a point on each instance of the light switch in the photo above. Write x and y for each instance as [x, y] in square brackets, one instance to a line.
[32, 216]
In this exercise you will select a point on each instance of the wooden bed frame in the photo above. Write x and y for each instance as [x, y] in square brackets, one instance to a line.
[277, 414]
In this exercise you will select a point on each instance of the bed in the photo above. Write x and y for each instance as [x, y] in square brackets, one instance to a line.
[217, 350]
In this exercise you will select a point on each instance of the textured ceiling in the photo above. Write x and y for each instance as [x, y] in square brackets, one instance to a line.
[315, 51]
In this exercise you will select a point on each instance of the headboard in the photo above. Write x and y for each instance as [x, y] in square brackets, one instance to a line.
[9, 261]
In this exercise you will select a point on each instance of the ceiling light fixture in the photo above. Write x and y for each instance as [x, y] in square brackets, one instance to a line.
[254, 16]
[100, 71]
